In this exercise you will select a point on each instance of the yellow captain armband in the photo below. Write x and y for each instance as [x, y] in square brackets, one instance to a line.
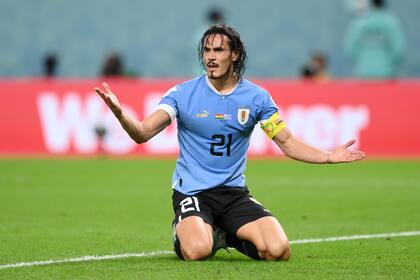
[273, 125]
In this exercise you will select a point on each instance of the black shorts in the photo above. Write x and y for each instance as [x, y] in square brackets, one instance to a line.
[225, 207]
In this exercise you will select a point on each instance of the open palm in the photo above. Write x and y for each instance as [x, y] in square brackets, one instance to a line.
[110, 99]
[343, 154]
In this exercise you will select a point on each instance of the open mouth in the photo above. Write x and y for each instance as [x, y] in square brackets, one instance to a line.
[212, 66]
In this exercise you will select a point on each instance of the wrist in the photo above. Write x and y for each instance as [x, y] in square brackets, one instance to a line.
[118, 114]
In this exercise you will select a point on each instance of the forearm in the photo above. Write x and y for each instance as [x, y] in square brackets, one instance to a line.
[133, 127]
[299, 150]
[142, 131]
[139, 131]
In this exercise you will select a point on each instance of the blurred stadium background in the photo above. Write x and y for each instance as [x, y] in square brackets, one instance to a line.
[158, 38]
[80, 198]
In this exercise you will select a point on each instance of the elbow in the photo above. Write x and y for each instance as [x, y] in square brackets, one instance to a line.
[141, 139]
[289, 149]
[141, 135]
[145, 133]
[289, 153]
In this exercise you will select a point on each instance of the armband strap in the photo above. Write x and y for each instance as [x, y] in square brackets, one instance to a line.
[273, 125]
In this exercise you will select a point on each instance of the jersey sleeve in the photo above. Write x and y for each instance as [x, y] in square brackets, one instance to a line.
[268, 107]
[169, 103]
[271, 122]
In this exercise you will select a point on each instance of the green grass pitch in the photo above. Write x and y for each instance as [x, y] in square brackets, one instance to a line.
[58, 209]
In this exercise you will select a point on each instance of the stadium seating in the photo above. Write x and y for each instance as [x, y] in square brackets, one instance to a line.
[156, 38]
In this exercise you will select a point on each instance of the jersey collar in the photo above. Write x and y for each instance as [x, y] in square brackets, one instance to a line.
[216, 91]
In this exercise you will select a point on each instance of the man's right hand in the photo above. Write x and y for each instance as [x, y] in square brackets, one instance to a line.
[110, 99]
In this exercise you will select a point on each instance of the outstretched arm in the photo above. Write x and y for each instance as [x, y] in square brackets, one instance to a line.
[139, 131]
[299, 150]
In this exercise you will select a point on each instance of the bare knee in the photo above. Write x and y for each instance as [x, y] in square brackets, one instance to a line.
[194, 251]
[195, 238]
[279, 250]
[283, 252]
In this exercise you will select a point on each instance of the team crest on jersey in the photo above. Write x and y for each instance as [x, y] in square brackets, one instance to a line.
[243, 115]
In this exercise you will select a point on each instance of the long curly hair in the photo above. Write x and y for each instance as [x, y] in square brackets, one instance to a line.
[235, 45]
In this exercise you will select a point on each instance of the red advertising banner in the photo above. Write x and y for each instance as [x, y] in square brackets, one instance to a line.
[62, 117]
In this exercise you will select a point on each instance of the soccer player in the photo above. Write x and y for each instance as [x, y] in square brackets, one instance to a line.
[216, 114]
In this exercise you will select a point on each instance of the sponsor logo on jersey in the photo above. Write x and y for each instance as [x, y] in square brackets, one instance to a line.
[243, 115]
[203, 114]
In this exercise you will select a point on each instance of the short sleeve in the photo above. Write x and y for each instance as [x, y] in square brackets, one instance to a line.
[268, 107]
[169, 103]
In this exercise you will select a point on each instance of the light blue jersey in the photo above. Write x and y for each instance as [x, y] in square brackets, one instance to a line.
[214, 132]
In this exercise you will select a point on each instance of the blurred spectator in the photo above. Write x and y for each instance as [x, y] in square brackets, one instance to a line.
[113, 65]
[50, 65]
[215, 15]
[376, 43]
[316, 68]
[100, 133]
[357, 7]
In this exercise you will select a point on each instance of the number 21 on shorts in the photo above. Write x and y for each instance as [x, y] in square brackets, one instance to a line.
[189, 204]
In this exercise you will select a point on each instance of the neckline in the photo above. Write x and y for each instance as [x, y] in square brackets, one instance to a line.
[216, 91]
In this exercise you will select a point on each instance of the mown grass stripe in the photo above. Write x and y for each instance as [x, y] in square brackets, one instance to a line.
[160, 253]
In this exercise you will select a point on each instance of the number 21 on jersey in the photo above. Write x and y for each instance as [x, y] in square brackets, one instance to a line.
[220, 142]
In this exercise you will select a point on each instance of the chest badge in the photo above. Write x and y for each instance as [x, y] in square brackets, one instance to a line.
[243, 115]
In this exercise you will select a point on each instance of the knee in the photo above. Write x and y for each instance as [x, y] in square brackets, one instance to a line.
[279, 251]
[196, 250]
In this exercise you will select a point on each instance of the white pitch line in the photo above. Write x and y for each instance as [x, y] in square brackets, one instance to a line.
[356, 237]
[87, 259]
[160, 253]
